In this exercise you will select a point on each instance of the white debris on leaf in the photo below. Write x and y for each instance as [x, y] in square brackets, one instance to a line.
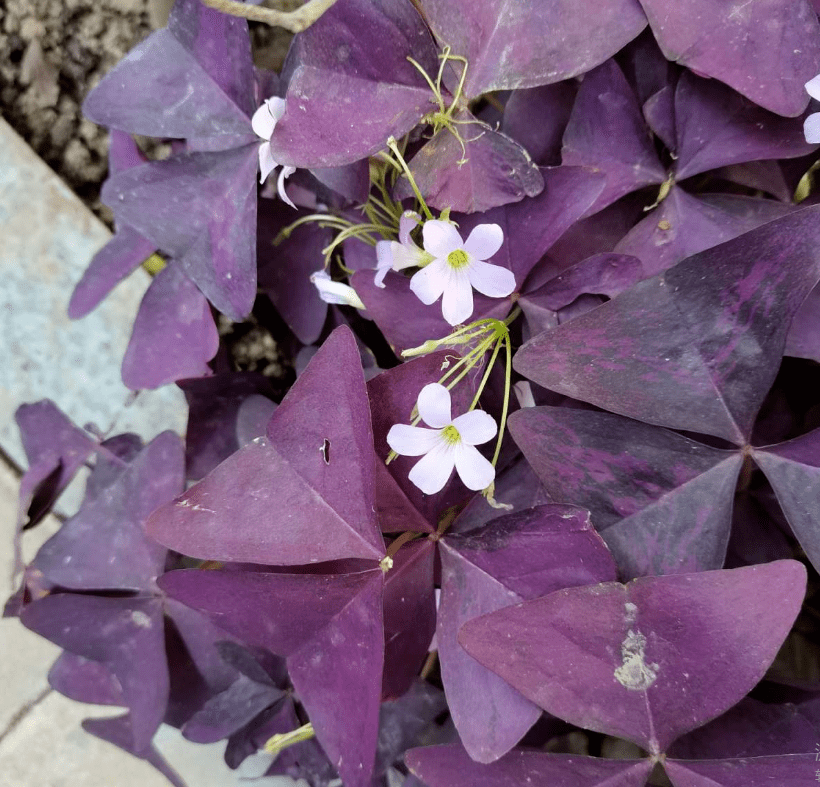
[460, 266]
[450, 443]
[263, 122]
[635, 674]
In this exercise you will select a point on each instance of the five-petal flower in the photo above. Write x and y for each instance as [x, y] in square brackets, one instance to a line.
[450, 443]
[459, 266]
[263, 122]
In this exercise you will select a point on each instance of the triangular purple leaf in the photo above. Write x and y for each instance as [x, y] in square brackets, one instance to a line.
[663, 502]
[695, 347]
[451, 766]
[766, 50]
[791, 770]
[306, 491]
[174, 334]
[637, 661]
[351, 85]
[541, 42]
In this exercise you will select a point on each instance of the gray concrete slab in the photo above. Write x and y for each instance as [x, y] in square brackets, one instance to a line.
[49, 236]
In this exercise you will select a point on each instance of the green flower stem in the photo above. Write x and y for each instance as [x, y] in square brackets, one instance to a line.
[280, 741]
[391, 143]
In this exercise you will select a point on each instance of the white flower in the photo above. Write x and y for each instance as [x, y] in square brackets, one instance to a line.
[811, 125]
[450, 443]
[263, 122]
[401, 254]
[334, 291]
[458, 266]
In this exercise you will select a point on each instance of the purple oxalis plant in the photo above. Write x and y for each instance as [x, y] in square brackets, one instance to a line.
[545, 487]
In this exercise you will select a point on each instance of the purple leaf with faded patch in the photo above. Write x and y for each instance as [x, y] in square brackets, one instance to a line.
[515, 557]
[695, 347]
[638, 660]
[174, 334]
[350, 84]
[519, 43]
[765, 49]
[489, 169]
[451, 766]
[306, 490]
[83, 680]
[662, 502]
[200, 208]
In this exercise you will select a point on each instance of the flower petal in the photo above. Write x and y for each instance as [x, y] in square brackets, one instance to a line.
[412, 440]
[432, 471]
[473, 469]
[434, 405]
[440, 238]
[263, 121]
[491, 280]
[457, 303]
[811, 128]
[813, 87]
[484, 241]
[476, 427]
[384, 260]
[407, 223]
[429, 283]
[266, 162]
[335, 291]
[285, 172]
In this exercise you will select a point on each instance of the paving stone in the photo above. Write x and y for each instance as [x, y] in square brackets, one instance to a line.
[49, 236]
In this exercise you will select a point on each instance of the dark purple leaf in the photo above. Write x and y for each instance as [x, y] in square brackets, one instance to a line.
[450, 766]
[793, 470]
[83, 680]
[351, 85]
[638, 661]
[127, 635]
[536, 118]
[488, 170]
[119, 732]
[695, 347]
[760, 176]
[766, 49]
[214, 407]
[803, 340]
[200, 208]
[717, 126]
[104, 545]
[795, 770]
[174, 334]
[122, 255]
[305, 492]
[659, 111]
[176, 83]
[606, 131]
[515, 557]
[409, 616]
[602, 274]
[519, 43]
[123, 152]
[662, 501]
[330, 629]
[684, 225]
[285, 268]
[252, 418]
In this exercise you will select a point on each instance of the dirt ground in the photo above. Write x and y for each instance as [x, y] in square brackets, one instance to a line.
[52, 52]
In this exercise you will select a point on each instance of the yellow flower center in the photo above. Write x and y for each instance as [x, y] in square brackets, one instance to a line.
[458, 259]
[450, 435]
